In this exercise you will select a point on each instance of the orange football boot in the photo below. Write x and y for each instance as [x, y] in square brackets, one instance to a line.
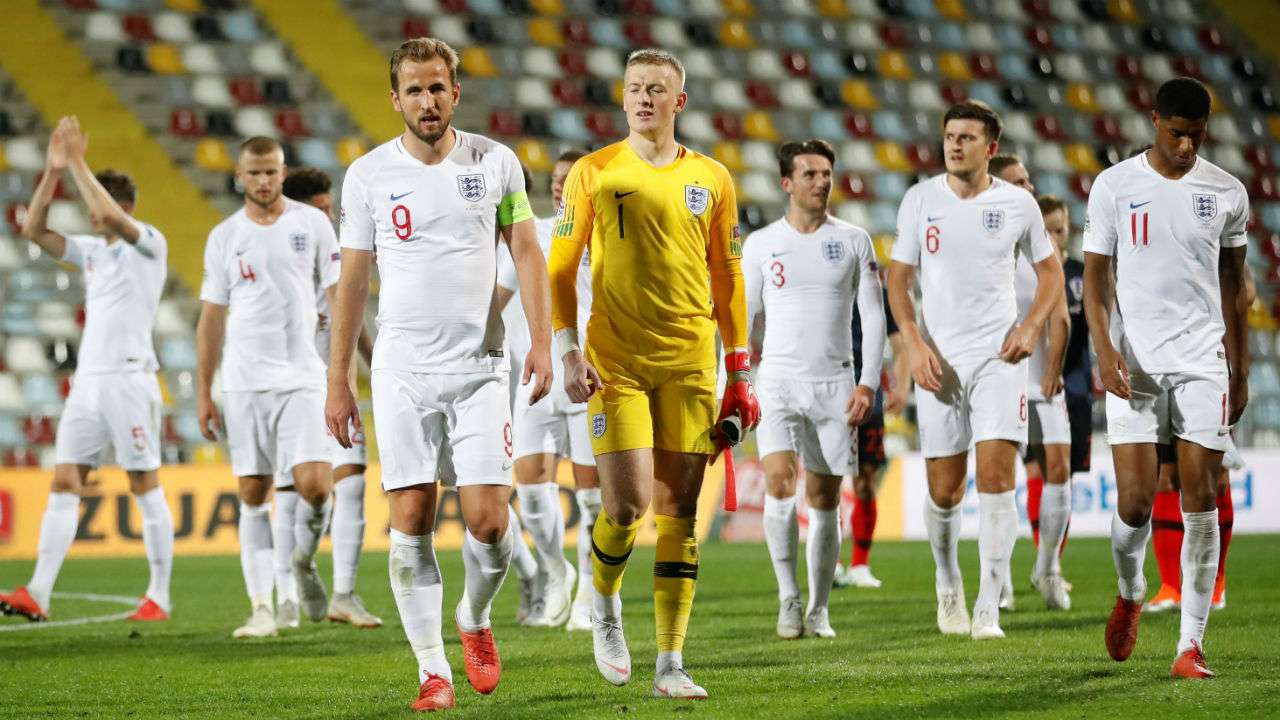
[1190, 664]
[436, 693]
[1169, 598]
[1220, 593]
[480, 656]
[20, 602]
[1122, 628]
[149, 611]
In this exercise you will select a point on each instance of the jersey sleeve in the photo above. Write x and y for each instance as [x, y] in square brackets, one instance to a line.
[724, 256]
[906, 247]
[507, 277]
[1233, 232]
[1034, 244]
[870, 298]
[327, 255]
[214, 287]
[151, 244]
[1100, 221]
[514, 205]
[574, 221]
[752, 279]
[76, 251]
[356, 221]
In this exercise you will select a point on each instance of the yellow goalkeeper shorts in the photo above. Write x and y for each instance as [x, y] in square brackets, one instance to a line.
[652, 407]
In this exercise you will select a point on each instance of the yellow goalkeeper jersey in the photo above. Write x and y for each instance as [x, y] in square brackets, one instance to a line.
[665, 253]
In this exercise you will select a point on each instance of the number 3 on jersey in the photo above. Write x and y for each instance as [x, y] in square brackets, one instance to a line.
[932, 239]
[402, 222]
[778, 278]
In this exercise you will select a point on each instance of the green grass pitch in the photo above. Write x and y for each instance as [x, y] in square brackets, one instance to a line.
[889, 661]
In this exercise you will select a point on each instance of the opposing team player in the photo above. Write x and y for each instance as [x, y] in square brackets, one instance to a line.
[431, 202]
[661, 221]
[115, 398]
[805, 272]
[263, 263]
[312, 186]
[964, 229]
[1172, 353]
[545, 431]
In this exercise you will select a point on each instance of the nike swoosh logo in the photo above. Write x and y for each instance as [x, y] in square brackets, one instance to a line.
[618, 196]
[1135, 206]
[615, 668]
[784, 252]
[240, 252]
[395, 197]
[934, 219]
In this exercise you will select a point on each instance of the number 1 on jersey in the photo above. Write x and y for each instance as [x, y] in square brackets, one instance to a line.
[622, 230]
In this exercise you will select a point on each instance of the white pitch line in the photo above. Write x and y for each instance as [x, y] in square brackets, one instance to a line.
[92, 597]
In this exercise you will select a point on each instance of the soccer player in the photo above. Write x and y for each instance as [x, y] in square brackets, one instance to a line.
[805, 272]
[1172, 353]
[312, 186]
[434, 202]
[544, 432]
[263, 263]
[661, 221]
[964, 229]
[115, 398]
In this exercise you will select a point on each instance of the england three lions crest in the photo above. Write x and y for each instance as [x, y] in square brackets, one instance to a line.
[471, 187]
[833, 251]
[299, 241]
[1205, 206]
[696, 199]
[993, 220]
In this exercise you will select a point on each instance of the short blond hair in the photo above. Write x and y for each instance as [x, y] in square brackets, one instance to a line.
[657, 56]
[421, 50]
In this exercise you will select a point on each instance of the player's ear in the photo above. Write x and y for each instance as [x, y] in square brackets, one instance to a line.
[681, 100]
[786, 184]
[457, 92]
[395, 101]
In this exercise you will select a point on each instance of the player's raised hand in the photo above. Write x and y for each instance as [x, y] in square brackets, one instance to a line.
[1019, 343]
[861, 401]
[341, 410]
[538, 363]
[76, 142]
[1114, 373]
[209, 418]
[55, 157]
[1051, 383]
[925, 368]
[580, 379]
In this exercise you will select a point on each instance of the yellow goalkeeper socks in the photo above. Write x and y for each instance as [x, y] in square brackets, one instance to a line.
[611, 545]
[675, 573]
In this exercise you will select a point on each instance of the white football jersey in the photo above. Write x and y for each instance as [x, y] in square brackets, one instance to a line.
[1025, 284]
[807, 284]
[266, 275]
[1165, 236]
[513, 316]
[122, 287]
[965, 250]
[435, 230]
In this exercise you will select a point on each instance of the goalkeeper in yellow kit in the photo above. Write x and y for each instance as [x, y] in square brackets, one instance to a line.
[661, 222]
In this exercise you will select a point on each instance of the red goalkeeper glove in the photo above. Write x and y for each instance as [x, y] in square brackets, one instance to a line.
[739, 396]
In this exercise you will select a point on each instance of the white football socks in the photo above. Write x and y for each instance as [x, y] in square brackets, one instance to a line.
[997, 530]
[782, 535]
[255, 552]
[544, 519]
[157, 538]
[309, 526]
[821, 552]
[589, 504]
[1199, 571]
[283, 539]
[1055, 513]
[943, 526]
[419, 593]
[521, 557]
[486, 566]
[346, 531]
[1129, 550]
[57, 532]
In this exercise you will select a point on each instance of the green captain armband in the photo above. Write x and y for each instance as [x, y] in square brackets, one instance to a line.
[513, 209]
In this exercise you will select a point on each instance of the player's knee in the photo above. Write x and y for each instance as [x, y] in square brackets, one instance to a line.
[488, 530]
[66, 479]
[1057, 468]
[781, 478]
[864, 485]
[142, 482]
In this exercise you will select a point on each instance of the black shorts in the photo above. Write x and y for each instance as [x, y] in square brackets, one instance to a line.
[1080, 416]
[871, 436]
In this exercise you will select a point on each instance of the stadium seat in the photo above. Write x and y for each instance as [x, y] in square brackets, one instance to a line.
[602, 125]
[25, 355]
[891, 156]
[733, 33]
[766, 65]
[762, 187]
[24, 154]
[859, 95]
[796, 63]
[534, 93]
[761, 94]
[268, 58]
[1080, 97]
[729, 154]
[40, 392]
[104, 27]
[1081, 158]
[290, 123]
[727, 125]
[211, 154]
[954, 66]
[728, 94]
[245, 91]
[893, 64]
[854, 186]
[604, 63]
[165, 59]
[545, 32]
[11, 399]
[137, 28]
[797, 96]
[757, 125]
[856, 213]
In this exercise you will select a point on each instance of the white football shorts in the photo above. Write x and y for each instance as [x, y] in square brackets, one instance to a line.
[1192, 406]
[554, 425]
[981, 401]
[808, 418]
[270, 432]
[1048, 423]
[117, 409]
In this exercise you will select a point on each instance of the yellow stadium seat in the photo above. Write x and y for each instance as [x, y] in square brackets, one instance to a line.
[1215, 105]
[832, 8]
[212, 155]
[1123, 11]
[164, 59]
[185, 5]
[893, 65]
[209, 454]
[1080, 97]
[891, 157]
[954, 66]
[729, 155]
[477, 62]
[759, 126]
[739, 8]
[1081, 158]
[4, 162]
[534, 155]
[883, 245]
[552, 8]
[858, 94]
[735, 34]
[349, 149]
[546, 32]
[166, 395]
[952, 9]
[617, 91]
[1273, 124]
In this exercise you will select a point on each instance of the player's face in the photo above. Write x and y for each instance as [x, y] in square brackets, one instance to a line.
[426, 98]
[965, 147]
[652, 97]
[261, 176]
[809, 184]
[323, 202]
[1017, 174]
[1178, 139]
[1058, 225]
[559, 174]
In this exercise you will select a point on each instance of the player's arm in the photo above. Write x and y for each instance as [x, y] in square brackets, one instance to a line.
[896, 401]
[925, 368]
[568, 242]
[36, 228]
[1236, 298]
[1058, 330]
[870, 301]
[754, 281]
[516, 229]
[1099, 289]
[1035, 244]
[729, 304]
[347, 307]
[364, 345]
[100, 202]
[210, 331]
